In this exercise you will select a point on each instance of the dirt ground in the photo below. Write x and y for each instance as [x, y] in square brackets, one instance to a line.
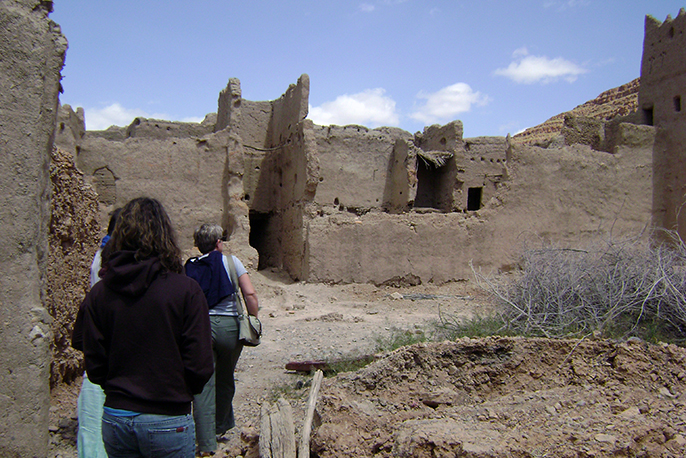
[496, 397]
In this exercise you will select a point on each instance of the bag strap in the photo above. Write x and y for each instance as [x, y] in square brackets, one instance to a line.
[234, 279]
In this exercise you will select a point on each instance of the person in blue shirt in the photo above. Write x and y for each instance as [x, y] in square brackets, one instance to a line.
[213, 408]
[91, 397]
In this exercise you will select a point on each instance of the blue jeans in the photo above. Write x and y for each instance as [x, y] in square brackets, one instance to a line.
[149, 436]
[89, 440]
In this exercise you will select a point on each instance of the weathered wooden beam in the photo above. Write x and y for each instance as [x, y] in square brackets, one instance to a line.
[277, 430]
[328, 366]
[304, 448]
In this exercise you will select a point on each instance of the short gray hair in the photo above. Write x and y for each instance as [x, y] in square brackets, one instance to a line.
[206, 237]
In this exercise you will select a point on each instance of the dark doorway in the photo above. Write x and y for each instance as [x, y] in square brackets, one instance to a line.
[648, 116]
[435, 184]
[474, 198]
[260, 236]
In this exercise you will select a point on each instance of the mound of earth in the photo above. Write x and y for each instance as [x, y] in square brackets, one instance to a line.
[509, 397]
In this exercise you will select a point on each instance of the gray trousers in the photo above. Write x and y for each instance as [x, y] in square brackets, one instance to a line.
[213, 408]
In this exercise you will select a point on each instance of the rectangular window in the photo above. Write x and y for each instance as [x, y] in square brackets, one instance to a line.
[648, 116]
[677, 103]
[474, 199]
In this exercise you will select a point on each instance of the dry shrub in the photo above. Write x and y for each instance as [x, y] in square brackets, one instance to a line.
[620, 288]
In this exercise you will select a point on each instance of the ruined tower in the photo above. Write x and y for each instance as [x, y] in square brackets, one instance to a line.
[661, 104]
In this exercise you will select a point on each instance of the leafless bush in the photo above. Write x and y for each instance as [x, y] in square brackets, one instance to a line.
[617, 287]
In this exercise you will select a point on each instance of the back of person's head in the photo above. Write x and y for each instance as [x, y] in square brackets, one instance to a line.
[206, 237]
[114, 215]
[143, 226]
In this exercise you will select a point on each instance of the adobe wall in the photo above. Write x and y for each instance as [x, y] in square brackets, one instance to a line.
[73, 238]
[31, 58]
[480, 166]
[662, 103]
[354, 166]
[435, 169]
[279, 175]
[184, 166]
[574, 194]
[564, 195]
[249, 157]
[276, 175]
[352, 204]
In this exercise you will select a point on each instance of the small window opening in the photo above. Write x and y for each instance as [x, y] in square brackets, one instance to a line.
[474, 199]
[648, 116]
[677, 103]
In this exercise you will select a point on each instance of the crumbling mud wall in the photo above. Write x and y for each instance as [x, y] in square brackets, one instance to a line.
[181, 164]
[354, 166]
[32, 51]
[571, 195]
[662, 103]
[226, 170]
[352, 204]
[281, 176]
[529, 194]
[73, 240]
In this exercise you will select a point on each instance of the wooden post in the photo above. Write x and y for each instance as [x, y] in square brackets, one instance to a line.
[277, 431]
[265, 432]
[304, 448]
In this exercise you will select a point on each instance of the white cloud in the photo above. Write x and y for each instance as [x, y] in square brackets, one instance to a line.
[448, 102]
[520, 52]
[111, 115]
[193, 119]
[528, 69]
[370, 107]
[117, 115]
[562, 5]
[369, 7]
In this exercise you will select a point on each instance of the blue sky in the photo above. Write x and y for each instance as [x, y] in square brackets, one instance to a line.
[499, 66]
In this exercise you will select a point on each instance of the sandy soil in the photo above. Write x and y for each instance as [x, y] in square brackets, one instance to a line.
[472, 398]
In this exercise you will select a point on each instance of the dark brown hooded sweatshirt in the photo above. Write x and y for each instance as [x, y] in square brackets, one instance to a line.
[145, 333]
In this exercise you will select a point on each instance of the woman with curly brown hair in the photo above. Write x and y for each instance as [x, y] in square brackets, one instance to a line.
[146, 337]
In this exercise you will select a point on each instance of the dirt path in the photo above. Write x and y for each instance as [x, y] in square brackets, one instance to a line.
[315, 321]
[302, 321]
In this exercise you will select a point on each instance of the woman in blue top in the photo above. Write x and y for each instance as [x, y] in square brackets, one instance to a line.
[213, 409]
[92, 397]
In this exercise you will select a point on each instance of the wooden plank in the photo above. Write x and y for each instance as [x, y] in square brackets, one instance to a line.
[304, 448]
[265, 442]
[306, 366]
[277, 430]
[326, 366]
